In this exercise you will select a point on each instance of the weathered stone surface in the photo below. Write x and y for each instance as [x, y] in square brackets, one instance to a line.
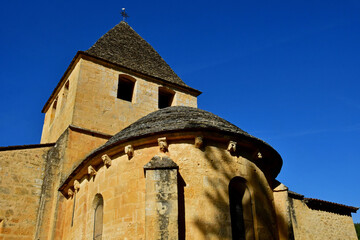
[315, 224]
[21, 178]
[158, 162]
[161, 214]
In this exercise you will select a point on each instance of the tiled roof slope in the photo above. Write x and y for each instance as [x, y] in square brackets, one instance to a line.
[123, 46]
[177, 119]
[174, 119]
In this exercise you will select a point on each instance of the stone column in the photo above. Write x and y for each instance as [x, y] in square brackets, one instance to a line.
[161, 213]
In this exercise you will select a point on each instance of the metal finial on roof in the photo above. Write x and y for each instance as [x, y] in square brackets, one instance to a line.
[124, 14]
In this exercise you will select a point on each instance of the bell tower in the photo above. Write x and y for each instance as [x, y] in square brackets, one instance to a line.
[118, 80]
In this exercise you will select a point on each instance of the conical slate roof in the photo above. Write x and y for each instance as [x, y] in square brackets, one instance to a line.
[123, 46]
[176, 118]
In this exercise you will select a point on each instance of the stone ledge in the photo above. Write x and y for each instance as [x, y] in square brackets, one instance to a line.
[158, 162]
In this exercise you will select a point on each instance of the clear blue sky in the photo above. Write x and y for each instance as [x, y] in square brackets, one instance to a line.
[284, 71]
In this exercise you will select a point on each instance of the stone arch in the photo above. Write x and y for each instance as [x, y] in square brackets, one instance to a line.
[242, 223]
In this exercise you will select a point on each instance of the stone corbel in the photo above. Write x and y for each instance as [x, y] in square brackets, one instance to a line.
[70, 192]
[232, 147]
[163, 144]
[107, 160]
[199, 141]
[76, 186]
[91, 171]
[257, 155]
[129, 150]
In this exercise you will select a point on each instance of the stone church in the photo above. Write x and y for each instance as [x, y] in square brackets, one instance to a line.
[126, 154]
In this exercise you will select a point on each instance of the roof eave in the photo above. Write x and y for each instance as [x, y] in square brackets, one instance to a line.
[61, 82]
[103, 149]
[187, 89]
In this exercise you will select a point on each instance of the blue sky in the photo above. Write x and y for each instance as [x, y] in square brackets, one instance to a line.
[284, 71]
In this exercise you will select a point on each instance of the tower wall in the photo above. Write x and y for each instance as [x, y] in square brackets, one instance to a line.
[58, 119]
[91, 101]
[98, 108]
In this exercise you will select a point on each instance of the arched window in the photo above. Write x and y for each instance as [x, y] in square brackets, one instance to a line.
[98, 216]
[240, 210]
[125, 88]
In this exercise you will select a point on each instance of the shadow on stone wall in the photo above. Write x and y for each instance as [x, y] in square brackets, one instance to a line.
[218, 196]
[181, 207]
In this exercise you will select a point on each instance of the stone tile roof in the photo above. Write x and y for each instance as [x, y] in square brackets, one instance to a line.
[295, 195]
[17, 147]
[174, 119]
[322, 205]
[123, 46]
[329, 206]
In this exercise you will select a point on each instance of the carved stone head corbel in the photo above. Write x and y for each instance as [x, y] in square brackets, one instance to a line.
[106, 159]
[91, 171]
[163, 144]
[232, 147]
[70, 192]
[76, 186]
[129, 150]
[199, 141]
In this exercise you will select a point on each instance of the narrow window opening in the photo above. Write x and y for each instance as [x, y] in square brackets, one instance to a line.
[125, 88]
[67, 84]
[98, 216]
[166, 97]
[240, 210]
[53, 111]
[65, 94]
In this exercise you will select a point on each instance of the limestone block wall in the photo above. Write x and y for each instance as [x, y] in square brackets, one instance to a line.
[283, 215]
[78, 145]
[203, 201]
[72, 146]
[57, 120]
[98, 108]
[315, 224]
[183, 99]
[161, 211]
[21, 178]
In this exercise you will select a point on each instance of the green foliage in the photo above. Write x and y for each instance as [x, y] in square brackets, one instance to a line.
[357, 227]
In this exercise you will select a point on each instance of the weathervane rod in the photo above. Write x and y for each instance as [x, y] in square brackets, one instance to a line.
[124, 14]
